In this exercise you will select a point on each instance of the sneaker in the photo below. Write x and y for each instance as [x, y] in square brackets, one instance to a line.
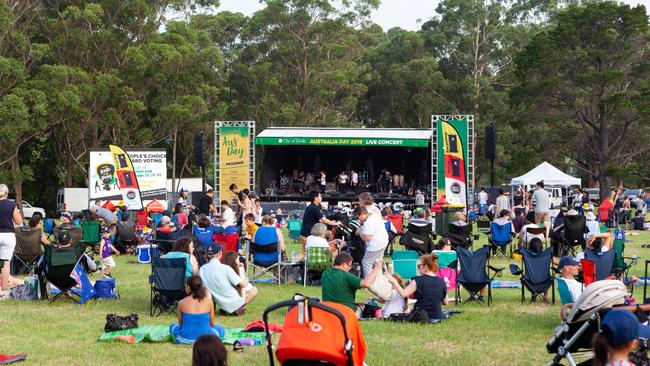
[480, 299]
[4, 294]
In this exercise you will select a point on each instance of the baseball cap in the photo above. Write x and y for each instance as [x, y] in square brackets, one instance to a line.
[183, 190]
[567, 261]
[106, 229]
[621, 327]
[63, 237]
[67, 215]
[214, 248]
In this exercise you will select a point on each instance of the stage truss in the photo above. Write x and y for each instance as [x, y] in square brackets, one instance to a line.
[470, 153]
[217, 153]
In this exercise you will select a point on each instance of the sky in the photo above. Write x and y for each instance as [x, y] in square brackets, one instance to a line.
[407, 14]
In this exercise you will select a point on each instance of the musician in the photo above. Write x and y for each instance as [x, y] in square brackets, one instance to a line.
[354, 178]
[342, 181]
[323, 181]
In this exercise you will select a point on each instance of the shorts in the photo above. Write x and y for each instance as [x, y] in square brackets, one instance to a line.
[541, 217]
[108, 262]
[7, 246]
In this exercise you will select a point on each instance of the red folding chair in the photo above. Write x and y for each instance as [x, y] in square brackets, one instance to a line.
[398, 223]
[588, 271]
[142, 218]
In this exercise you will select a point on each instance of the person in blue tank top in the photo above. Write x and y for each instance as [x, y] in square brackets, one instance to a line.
[195, 314]
[267, 234]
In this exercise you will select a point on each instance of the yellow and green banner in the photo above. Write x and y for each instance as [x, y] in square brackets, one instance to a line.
[452, 159]
[233, 158]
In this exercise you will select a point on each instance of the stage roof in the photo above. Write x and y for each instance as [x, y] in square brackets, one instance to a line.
[395, 137]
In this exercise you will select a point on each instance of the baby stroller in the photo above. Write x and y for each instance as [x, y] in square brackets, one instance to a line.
[332, 329]
[572, 339]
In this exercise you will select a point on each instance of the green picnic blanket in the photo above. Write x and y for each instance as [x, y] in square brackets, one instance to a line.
[160, 333]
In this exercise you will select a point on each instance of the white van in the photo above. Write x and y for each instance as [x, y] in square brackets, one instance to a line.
[72, 199]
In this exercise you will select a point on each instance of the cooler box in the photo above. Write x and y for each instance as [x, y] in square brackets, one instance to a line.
[146, 251]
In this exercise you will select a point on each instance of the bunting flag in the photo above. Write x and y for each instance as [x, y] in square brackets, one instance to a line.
[127, 178]
[86, 288]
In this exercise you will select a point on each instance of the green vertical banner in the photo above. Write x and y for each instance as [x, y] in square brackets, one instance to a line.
[452, 160]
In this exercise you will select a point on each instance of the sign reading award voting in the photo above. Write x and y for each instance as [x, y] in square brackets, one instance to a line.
[233, 158]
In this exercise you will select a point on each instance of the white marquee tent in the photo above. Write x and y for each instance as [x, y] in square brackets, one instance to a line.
[547, 173]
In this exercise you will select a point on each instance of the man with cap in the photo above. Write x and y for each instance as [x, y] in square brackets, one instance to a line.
[619, 335]
[569, 268]
[222, 281]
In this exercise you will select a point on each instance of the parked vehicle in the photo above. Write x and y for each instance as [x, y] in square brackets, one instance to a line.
[633, 194]
[29, 210]
[72, 199]
[594, 194]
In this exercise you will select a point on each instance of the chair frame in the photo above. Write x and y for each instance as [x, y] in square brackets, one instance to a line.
[170, 306]
[278, 266]
[306, 263]
[526, 285]
[500, 248]
[473, 295]
[67, 293]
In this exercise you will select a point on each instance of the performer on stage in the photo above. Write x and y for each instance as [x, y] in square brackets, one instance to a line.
[323, 181]
[354, 178]
[342, 181]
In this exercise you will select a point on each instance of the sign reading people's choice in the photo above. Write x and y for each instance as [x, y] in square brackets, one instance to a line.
[233, 158]
[122, 176]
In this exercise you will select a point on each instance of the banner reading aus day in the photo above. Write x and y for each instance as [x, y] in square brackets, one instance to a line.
[150, 166]
[452, 161]
[233, 159]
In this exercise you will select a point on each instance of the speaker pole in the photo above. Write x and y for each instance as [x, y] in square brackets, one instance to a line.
[492, 174]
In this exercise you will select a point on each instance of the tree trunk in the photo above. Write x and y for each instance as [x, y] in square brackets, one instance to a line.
[174, 159]
[604, 184]
[18, 182]
[69, 174]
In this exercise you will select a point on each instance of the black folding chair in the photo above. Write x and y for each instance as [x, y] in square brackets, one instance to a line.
[537, 275]
[167, 282]
[474, 273]
[165, 241]
[58, 264]
[575, 227]
[75, 234]
[419, 243]
[603, 261]
[461, 236]
[28, 249]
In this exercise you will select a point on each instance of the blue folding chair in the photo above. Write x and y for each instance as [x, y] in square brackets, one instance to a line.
[405, 263]
[563, 290]
[500, 238]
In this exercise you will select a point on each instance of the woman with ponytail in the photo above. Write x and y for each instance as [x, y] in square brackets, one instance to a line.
[619, 335]
[195, 314]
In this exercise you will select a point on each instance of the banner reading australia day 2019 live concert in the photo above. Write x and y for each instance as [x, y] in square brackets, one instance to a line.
[452, 160]
[150, 166]
[234, 158]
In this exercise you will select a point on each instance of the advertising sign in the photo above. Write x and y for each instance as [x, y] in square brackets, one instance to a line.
[234, 158]
[341, 141]
[452, 158]
[111, 176]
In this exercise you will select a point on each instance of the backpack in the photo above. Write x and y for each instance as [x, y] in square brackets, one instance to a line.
[116, 322]
[23, 293]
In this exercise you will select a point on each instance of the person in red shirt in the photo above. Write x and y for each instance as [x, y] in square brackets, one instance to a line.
[165, 225]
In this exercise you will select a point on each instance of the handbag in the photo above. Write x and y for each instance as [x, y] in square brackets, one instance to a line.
[116, 322]
[381, 287]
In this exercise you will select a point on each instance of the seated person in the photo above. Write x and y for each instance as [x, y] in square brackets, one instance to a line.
[444, 244]
[396, 304]
[557, 232]
[204, 231]
[459, 219]
[536, 245]
[267, 234]
[429, 289]
[233, 260]
[165, 225]
[180, 216]
[208, 350]
[518, 221]
[600, 242]
[593, 227]
[639, 221]
[195, 314]
[66, 221]
[525, 237]
[340, 286]
[249, 226]
[184, 248]
[570, 268]
[35, 222]
[420, 218]
[125, 235]
[222, 281]
[504, 219]
[317, 239]
[227, 216]
[64, 241]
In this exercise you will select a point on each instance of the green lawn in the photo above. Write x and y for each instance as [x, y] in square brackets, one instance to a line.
[507, 333]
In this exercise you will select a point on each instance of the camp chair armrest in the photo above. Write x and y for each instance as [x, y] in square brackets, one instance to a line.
[515, 270]
[555, 270]
[495, 269]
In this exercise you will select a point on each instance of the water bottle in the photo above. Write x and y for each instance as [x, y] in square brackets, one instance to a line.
[293, 256]
[246, 341]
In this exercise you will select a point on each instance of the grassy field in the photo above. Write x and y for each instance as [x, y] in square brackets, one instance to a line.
[507, 333]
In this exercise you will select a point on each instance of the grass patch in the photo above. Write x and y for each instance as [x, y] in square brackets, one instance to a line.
[507, 333]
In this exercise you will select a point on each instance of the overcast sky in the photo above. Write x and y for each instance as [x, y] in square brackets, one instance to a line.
[407, 14]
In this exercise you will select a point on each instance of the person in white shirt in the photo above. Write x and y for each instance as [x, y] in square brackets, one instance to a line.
[592, 225]
[374, 233]
[419, 198]
[482, 197]
[354, 178]
[525, 237]
[502, 202]
[365, 200]
[569, 268]
[343, 181]
[323, 180]
[542, 205]
[227, 215]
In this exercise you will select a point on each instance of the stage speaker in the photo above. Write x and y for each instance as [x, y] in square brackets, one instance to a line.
[199, 147]
[490, 142]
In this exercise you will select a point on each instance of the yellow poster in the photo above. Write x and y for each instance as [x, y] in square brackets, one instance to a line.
[233, 160]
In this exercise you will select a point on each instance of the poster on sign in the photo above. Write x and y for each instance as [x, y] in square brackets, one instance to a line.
[234, 158]
[150, 166]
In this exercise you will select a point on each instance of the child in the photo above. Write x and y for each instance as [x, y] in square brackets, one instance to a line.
[396, 304]
[249, 226]
[106, 249]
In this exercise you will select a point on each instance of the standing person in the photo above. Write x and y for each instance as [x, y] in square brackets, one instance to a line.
[619, 335]
[195, 314]
[542, 206]
[258, 210]
[340, 286]
[419, 199]
[182, 198]
[238, 199]
[482, 201]
[323, 181]
[106, 249]
[502, 202]
[205, 206]
[10, 217]
[354, 178]
[311, 216]
[246, 204]
[518, 199]
[374, 234]
[343, 181]
[365, 200]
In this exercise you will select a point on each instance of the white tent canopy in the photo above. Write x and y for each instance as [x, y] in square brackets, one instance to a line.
[547, 173]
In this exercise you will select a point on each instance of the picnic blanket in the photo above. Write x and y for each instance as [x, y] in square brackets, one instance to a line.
[160, 333]
[7, 359]
[506, 284]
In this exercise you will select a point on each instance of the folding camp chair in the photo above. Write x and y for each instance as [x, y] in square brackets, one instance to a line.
[267, 259]
[165, 241]
[90, 232]
[474, 273]
[461, 236]
[317, 259]
[536, 275]
[167, 282]
[575, 227]
[564, 292]
[75, 234]
[422, 244]
[588, 269]
[48, 226]
[141, 218]
[603, 261]
[537, 231]
[405, 263]
[28, 249]
[448, 267]
[500, 237]
[483, 224]
[58, 264]
[623, 263]
[294, 227]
